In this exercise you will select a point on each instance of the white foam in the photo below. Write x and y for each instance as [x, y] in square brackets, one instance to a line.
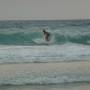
[43, 41]
[44, 53]
[32, 78]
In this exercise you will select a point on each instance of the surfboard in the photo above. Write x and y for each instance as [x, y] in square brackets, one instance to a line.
[43, 41]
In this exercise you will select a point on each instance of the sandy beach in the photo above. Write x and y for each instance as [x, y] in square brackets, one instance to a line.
[42, 67]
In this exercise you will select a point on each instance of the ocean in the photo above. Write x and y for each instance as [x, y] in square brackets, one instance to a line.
[28, 62]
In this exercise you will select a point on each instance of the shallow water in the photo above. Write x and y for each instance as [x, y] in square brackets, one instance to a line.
[49, 87]
[45, 73]
[37, 54]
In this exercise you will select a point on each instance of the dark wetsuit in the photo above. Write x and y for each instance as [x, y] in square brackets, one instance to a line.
[46, 34]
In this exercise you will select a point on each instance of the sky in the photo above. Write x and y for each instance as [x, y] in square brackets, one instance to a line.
[44, 9]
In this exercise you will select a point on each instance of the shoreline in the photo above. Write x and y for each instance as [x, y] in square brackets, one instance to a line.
[48, 87]
[12, 71]
[44, 67]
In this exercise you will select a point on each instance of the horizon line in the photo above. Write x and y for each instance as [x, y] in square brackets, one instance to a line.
[41, 19]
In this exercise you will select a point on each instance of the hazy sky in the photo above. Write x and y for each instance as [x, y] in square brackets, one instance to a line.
[44, 9]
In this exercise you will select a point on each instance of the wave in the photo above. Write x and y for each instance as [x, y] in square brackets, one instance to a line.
[28, 23]
[57, 37]
[44, 54]
[44, 79]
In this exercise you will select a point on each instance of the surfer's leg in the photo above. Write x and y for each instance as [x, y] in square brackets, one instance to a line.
[47, 39]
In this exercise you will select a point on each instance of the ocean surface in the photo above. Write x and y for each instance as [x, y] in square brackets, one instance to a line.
[23, 42]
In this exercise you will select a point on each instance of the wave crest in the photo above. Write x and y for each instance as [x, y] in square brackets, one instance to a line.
[60, 37]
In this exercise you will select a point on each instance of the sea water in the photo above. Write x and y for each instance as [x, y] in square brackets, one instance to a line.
[23, 42]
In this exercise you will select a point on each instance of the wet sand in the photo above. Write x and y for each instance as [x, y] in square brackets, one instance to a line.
[11, 69]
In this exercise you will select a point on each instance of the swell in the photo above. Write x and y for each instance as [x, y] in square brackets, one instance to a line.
[60, 37]
[17, 38]
[4, 24]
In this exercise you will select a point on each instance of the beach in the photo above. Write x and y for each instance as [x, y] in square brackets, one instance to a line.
[11, 69]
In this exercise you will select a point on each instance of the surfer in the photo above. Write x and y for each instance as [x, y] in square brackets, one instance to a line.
[46, 35]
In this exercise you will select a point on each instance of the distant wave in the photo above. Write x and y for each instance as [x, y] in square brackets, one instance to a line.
[22, 24]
